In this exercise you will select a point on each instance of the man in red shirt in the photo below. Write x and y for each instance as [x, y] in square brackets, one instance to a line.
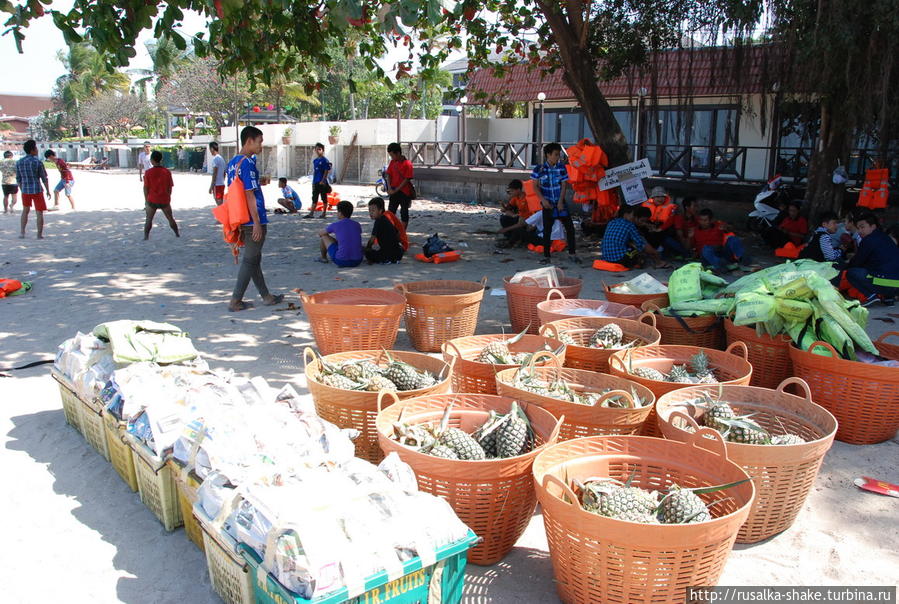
[399, 182]
[686, 220]
[717, 248]
[66, 180]
[794, 225]
[158, 194]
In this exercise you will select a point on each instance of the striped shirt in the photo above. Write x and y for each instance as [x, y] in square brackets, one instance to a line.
[620, 233]
[30, 172]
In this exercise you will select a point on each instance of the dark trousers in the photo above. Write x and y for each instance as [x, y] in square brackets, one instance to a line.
[403, 202]
[515, 235]
[320, 190]
[668, 240]
[863, 280]
[250, 265]
[568, 225]
[381, 255]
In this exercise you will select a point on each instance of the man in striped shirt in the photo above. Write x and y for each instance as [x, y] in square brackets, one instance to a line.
[30, 173]
[552, 178]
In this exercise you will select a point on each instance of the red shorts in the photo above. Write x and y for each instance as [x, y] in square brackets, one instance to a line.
[219, 192]
[40, 203]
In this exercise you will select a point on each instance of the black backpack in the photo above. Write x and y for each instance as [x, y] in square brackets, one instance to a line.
[812, 249]
[435, 245]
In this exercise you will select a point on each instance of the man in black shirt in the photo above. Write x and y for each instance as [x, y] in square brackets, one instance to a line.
[384, 247]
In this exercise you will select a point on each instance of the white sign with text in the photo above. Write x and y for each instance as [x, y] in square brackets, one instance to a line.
[633, 192]
[636, 169]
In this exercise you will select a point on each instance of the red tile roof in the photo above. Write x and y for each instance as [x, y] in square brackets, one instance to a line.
[24, 106]
[685, 72]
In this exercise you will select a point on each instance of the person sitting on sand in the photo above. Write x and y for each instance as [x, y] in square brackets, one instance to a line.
[514, 213]
[384, 246]
[291, 199]
[622, 242]
[341, 241]
[716, 247]
[158, 194]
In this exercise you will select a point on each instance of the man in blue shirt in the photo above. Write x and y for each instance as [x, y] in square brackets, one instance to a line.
[622, 242]
[321, 167]
[290, 200]
[252, 232]
[30, 173]
[553, 181]
[877, 259]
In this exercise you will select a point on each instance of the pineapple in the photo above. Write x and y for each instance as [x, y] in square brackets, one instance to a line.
[699, 364]
[404, 375]
[682, 506]
[607, 336]
[679, 374]
[648, 373]
[462, 444]
[443, 451]
[498, 352]
[376, 383]
[359, 371]
[744, 430]
[787, 439]
[715, 413]
[335, 380]
[416, 437]
[566, 339]
[513, 435]
[486, 434]
[425, 380]
[627, 501]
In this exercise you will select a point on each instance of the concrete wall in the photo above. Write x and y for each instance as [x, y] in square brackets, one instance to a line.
[510, 130]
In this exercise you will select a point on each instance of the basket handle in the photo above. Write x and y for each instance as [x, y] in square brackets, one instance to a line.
[614, 358]
[554, 435]
[458, 353]
[681, 415]
[304, 297]
[885, 336]
[650, 306]
[648, 318]
[612, 394]
[803, 385]
[545, 330]
[448, 368]
[382, 394]
[545, 353]
[742, 349]
[827, 347]
[483, 281]
[549, 294]
[710, 440]
[401, 287]
[566, 490]
[605, 287]
[307, 353]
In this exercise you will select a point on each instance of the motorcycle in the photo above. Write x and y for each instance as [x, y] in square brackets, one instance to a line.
[767, 205]
[381, 187]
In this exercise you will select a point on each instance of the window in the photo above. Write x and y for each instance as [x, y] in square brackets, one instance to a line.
[568, 126]
[690, 139]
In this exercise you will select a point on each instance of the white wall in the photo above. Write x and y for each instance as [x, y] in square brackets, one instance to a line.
[509, 130]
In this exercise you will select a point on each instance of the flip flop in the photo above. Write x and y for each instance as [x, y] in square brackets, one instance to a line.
[242, 306]
[275, 300]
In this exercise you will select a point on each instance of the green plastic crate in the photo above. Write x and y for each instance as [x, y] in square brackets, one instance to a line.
[414, 586]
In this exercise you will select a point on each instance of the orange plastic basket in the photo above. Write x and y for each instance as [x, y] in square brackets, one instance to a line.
[704, 332]
[354, 319]
[437, 311]
[769, 356]
[599, 559]
[729, 369]
[358, 410]
[633, 299]
[582, 420]
[864, 398]
[523, 297]
[890, 351]
[494, 497]
[783, 474]
[559, 307]
[581, 356]
[475, 377]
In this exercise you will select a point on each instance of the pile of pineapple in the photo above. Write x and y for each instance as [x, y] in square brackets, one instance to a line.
[720, 415]
[498, 352]
[369, 376]
[608, 336]
[615, 499]
[696, 371]
[499, 437]
[562, 390]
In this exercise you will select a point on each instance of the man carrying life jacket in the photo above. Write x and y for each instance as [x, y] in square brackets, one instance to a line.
[662, 233]
[386, 243]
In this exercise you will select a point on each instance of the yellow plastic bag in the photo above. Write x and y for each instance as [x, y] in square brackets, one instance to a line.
[797, 289]
[684, 284]
[754, 307]
[793, 310]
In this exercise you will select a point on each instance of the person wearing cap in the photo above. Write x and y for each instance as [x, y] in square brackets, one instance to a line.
[662, 232]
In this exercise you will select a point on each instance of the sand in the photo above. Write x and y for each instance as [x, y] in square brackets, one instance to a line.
[73, 531]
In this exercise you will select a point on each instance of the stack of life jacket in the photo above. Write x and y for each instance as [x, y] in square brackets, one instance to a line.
[586, 166]
[876, 192]
[333, 200]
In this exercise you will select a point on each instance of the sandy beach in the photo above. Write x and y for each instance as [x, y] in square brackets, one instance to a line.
[74, 532]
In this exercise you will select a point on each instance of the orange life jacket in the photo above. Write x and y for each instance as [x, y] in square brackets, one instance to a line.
[400, 229]
[8, 286]
[661, 214]
[233, 212]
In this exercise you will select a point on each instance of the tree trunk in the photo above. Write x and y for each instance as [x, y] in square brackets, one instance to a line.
[833, 145]
[580, 76]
